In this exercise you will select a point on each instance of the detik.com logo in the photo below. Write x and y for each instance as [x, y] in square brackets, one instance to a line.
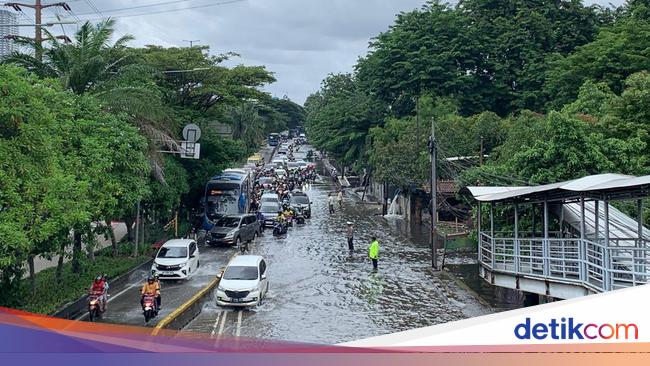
[568, 328]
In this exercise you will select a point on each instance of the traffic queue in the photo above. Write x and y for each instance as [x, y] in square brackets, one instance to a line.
[278, 192]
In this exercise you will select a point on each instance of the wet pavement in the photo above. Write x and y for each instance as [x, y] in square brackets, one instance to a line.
[320, 293]
[124, 303]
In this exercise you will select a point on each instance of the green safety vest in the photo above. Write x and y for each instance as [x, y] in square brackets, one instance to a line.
[373, 250]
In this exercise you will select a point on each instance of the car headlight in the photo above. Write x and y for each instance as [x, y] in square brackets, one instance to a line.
[230, 234]
[183, 265]
[219, 288]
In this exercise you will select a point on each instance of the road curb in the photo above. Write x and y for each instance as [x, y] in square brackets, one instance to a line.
[185, 313]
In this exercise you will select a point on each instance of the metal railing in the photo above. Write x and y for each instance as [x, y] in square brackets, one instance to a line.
[624, 263]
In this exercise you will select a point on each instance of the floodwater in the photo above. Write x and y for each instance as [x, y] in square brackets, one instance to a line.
[321, 293]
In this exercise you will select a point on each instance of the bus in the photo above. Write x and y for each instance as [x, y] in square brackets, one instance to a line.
[226, 194]
[274, 139]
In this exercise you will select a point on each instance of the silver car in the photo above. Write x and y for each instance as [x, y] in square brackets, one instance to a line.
[234, 230]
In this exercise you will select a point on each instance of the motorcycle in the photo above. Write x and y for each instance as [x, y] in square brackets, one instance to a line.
[279, 229]
[243, 248]
[150, 310]
[95, 306]
[300, 217]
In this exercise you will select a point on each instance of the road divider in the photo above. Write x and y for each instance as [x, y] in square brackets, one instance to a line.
[185, 313]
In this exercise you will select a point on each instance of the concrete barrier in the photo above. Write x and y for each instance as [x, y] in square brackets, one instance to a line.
[75, 308]
[185, 313]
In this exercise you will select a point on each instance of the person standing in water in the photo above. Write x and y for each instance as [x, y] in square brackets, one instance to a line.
[350, 235]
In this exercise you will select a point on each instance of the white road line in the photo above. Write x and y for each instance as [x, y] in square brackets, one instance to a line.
[216, 323]
[110, 299]
[223, 322]
[239, 323]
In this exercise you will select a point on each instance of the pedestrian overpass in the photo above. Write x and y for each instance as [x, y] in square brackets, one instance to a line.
[565, 239]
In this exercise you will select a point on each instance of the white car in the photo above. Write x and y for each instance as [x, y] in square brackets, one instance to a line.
[244, 282]
[177, 259]
[280, 173]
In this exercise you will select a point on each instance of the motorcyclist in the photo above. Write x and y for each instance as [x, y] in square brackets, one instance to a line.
[156, 279]
[151, 288]
[99, 287]
[281, 219]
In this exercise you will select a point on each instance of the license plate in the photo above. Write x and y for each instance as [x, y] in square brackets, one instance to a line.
[237, 300]
[167, 273]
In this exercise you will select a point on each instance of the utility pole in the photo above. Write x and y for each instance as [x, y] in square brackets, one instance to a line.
[38, 26]
[434, 196]
[191, 41]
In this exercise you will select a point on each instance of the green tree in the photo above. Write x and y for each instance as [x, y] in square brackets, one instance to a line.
[616, 53]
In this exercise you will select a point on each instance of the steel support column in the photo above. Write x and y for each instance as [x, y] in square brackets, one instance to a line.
[582, 251]
[640, 256]
[492, 233]
[517, 249]
[545, 242]
[606, 255]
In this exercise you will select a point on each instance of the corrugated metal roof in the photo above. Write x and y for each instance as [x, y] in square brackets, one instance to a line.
[486, 191]
[620, 225]
[598, 182]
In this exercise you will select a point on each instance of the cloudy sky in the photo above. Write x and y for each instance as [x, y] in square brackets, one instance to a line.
[301, 41]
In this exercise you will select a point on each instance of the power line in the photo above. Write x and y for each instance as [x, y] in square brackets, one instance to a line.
[115, 10]
[172, 10]
[92, 6]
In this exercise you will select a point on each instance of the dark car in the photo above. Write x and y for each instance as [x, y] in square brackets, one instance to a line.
[300, 200]
[234, 229]
[270, 211]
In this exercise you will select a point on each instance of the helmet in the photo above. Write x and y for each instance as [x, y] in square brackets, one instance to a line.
[98, 278]
[149, 279]
[156, 277]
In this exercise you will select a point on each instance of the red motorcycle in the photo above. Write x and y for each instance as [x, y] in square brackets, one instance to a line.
[95, 305]
[150, 309]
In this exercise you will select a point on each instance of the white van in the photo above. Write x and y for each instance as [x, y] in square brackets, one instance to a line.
[244, 282]
[177, 259]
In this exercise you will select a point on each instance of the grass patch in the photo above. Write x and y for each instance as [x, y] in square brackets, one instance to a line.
[52, 293]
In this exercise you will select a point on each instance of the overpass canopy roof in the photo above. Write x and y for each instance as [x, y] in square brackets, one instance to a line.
[613, 185]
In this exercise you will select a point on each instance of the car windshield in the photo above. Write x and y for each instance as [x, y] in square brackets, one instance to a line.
[228, 222]
[266, 180]
[269, 208]
[301, 200]
[240, 273]
[172, 252]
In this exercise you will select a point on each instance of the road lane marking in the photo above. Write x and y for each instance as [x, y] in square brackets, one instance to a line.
[109, 300]
[239, 323]
[216, 324]
[223, 322]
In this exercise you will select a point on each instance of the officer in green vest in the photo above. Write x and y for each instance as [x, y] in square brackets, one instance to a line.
[373, 252]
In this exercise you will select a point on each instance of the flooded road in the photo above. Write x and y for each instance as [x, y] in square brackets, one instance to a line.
[320, 293]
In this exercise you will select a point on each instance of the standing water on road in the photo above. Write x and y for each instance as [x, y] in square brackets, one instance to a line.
[320, 293]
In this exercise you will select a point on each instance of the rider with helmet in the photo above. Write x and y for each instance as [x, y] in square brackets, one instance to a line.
[156, 279]
[99, 287]
[150, 287]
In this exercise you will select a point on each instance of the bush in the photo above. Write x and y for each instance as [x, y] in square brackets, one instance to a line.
[52, 293]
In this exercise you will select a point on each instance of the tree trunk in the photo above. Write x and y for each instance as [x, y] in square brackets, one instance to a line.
[111, 234]
[32, 274]
[91, 242]
[76, 252]
[59, 264]
[129, 228]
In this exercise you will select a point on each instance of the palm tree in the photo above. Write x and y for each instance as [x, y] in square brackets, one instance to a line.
[92, 65]
[246, 123]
